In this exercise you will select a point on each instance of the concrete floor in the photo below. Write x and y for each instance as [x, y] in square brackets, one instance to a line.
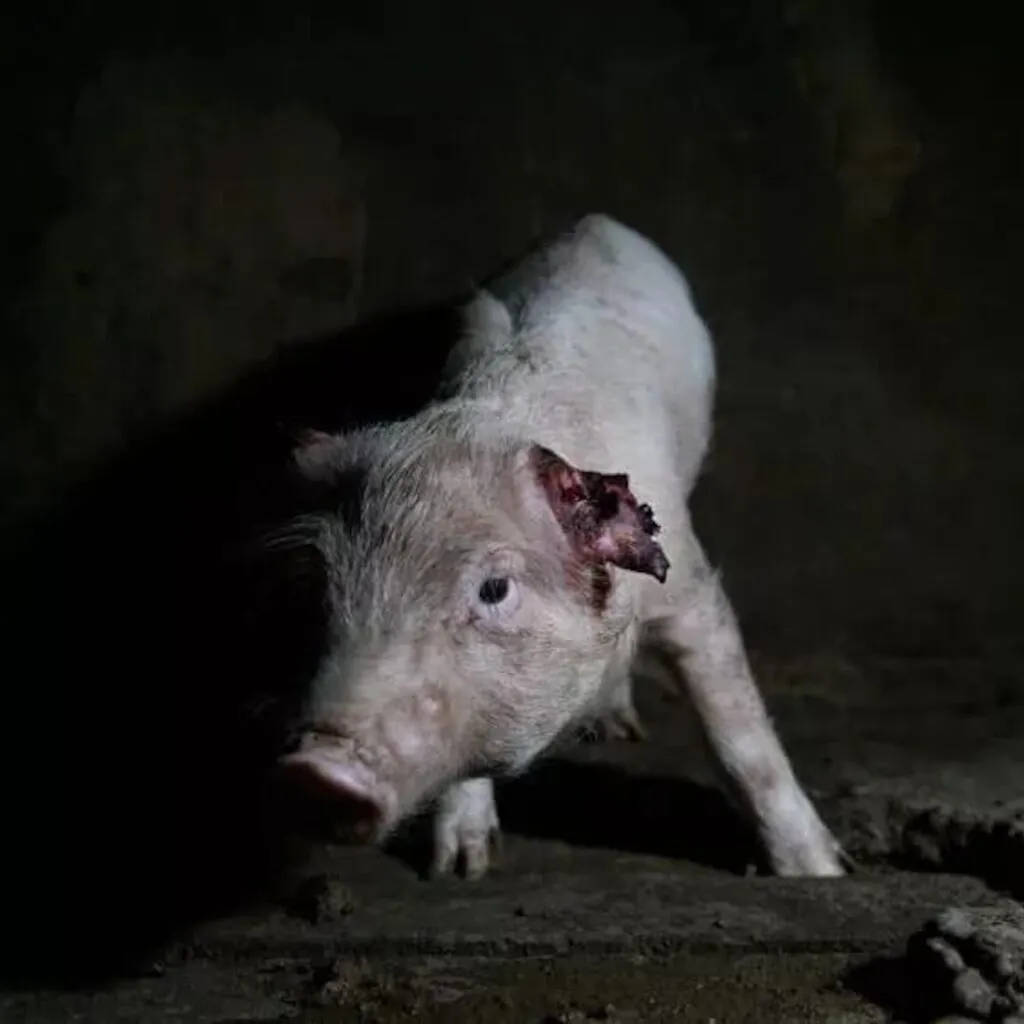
[625, 892]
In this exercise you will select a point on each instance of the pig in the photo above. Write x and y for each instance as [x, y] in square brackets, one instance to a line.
[500, 565]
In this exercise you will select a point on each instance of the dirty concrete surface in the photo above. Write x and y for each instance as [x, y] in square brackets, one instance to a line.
[626, 890]
[194, 194]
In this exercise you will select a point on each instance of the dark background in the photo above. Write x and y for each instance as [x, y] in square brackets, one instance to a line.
[864, 485]
[192, 189]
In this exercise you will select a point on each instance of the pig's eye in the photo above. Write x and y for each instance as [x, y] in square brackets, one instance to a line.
[494, 590]
[496, 599]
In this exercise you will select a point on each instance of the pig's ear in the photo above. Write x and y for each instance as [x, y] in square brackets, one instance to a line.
[602, 519]
[315, 455]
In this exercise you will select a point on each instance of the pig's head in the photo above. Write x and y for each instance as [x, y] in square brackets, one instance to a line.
[470, 590]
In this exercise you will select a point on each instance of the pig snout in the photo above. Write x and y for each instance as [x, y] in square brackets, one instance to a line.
[336, 792]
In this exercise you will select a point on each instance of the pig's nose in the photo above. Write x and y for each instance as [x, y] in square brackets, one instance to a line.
[333, 794]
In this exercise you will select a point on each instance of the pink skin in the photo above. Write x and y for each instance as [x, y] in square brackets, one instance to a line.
[362, 810]
[605, 525]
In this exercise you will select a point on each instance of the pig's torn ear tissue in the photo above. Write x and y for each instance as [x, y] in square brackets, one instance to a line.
[602, 518]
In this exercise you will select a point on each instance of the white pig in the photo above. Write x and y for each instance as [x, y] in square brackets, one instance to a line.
[498, 564]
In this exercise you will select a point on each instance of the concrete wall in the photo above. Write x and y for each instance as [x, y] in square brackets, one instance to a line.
[193, 196]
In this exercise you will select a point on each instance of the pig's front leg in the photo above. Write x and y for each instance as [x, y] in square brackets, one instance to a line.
[701, 641]
[466, 828]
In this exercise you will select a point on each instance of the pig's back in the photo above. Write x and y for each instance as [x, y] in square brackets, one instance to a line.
[592, 345]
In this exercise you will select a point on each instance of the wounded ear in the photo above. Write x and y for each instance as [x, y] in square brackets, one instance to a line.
[601, 517]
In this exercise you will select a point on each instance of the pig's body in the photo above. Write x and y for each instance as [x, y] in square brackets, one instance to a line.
[593, 349]
[588, 358]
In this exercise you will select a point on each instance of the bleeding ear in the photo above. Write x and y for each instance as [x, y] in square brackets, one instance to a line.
[602, 519]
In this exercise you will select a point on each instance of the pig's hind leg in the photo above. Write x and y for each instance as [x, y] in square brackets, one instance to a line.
[697, 638]
[617, 718]
[466, 829]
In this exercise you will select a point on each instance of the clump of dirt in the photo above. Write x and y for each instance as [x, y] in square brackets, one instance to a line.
[321, 899]
[971, 962]
[937, 836]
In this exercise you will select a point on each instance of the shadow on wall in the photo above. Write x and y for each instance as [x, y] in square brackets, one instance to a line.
[153, 639]
[160, 646]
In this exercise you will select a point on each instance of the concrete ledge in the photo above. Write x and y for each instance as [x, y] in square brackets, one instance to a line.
[554, 913]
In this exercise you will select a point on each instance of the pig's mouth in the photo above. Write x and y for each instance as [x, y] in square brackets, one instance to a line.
[334, 796]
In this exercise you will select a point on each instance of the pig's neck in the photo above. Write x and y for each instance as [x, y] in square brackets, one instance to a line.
[480, 419]
[516, 417]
